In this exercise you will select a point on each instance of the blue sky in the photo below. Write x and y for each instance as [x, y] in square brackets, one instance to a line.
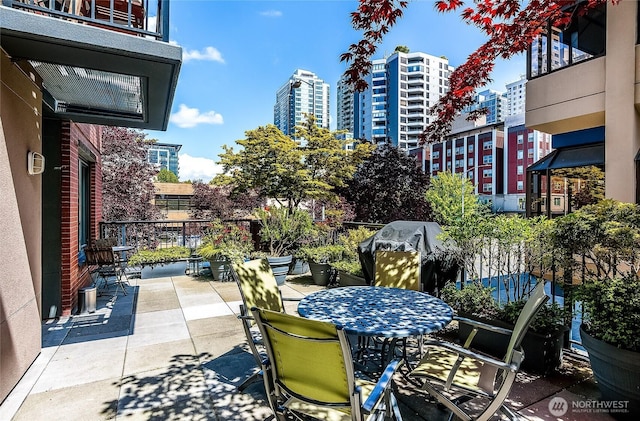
[237, 53]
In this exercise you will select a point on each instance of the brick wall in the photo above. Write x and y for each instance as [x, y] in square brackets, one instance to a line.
[75, 137]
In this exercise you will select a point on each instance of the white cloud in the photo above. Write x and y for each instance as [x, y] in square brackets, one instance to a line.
[190, 117]
[209, 53]
[271, 13]
[194, 168]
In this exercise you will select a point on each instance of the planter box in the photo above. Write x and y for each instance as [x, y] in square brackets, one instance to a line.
[220, 269]
[617, 372]
[280, 267]
[347, 280]
[542, 353]
[298, 267]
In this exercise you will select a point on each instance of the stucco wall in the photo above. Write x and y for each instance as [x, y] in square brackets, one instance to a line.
[20, 226]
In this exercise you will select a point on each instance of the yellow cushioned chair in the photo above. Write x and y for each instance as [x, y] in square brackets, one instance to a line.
[258, 288]
[309, 372]
[454, 374]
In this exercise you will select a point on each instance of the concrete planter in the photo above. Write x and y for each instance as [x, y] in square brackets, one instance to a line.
[298, 267]
[280, 267]
[617, 372]
[346, 279]
[321, 273]
[220, 269]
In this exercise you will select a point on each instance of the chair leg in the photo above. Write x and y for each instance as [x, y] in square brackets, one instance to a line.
[255, 377]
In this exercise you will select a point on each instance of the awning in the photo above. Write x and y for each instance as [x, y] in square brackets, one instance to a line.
[572, 157]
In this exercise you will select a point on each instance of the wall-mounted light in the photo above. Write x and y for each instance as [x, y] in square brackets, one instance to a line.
[35, 163]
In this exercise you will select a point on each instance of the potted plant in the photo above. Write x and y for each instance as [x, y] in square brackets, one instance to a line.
[319, 258]
[601, 244]
[222, 244]
[281, 230]
[543, 342]
[349, 267]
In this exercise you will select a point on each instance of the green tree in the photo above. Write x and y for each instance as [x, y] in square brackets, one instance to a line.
[402, 49]
[166, 176]
[451, 197]
[389, 186]
[277, 167]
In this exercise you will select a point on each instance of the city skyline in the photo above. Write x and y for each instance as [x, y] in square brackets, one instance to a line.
[237, 54]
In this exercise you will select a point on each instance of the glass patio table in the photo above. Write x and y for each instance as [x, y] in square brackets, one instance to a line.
[368, 311]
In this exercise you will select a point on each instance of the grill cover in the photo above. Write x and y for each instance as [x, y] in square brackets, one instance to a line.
[438, 265]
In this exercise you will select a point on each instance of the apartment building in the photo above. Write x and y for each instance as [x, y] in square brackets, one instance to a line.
[474, 149]
[587, 97]
[303, 94]
[493, 102]
[402, 88]
[61, 80]
[344, 107]
[165, 155]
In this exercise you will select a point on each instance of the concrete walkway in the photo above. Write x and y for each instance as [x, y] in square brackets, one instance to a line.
[173, 349]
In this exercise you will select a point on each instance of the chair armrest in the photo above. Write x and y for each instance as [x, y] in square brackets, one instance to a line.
[241, 317]
[465, 352]
[382, 384]
[291, 298]
[484, 326]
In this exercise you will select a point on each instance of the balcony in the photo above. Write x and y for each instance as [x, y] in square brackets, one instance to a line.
[103, 62]
[173, 348]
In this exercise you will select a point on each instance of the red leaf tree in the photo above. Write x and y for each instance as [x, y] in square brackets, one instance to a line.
[510, 26]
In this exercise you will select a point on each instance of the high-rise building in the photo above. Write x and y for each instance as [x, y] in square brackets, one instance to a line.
[344, 105]
[494, 102]
[402, 88]
[165, 155]
[303, 94]
[516, 96]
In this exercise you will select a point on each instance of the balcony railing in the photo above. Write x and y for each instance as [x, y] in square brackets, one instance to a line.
[137, 17]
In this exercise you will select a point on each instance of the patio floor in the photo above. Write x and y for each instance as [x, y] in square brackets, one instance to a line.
[173, 349]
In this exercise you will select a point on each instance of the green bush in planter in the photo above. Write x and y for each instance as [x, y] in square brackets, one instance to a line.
[225, 241]
[281, 231]
[351, 267]
[158, 256]
[320, 254]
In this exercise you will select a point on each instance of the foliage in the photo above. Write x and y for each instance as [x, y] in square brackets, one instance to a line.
[127, 177]
[211, 202]
[348, 242]
[477, 300]
[612, 310]
[590, 181]
[451, 197]
[510, 27]
[166, 176]
[335, 213]
[281, 229]
[352, 267]
[226, 241]
[328, 253]
[602, 243]
[159, 256]
[277, 167]
[401, 49]
[389, 186]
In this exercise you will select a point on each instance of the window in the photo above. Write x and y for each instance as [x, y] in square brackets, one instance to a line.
[459, 163]
[530, 153]
[470, 175]
[487, 173]
[459, 150]
[487, 145]
[84, 203]
[435, 155]
[520, 153]
[470, 162]
[530, 137]
[520, 139]
[521, 203]
[487, 187]
[520, 187]
[487, 159]
[449, 165]
[470, 148]
[448, 152]
[520, 170]
[556, 201]
[436, 166]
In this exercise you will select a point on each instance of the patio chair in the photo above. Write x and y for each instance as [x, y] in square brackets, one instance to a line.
[106, 266]
[399, 269]
[454, 374]
[309, 372]
[258, 288]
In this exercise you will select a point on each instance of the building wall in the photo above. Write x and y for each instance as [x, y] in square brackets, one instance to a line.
[20, 227]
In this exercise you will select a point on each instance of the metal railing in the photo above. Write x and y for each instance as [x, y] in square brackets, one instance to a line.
[138, 17]
[163, 233]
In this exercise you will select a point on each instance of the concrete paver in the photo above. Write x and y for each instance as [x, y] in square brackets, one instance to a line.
[173, 349]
